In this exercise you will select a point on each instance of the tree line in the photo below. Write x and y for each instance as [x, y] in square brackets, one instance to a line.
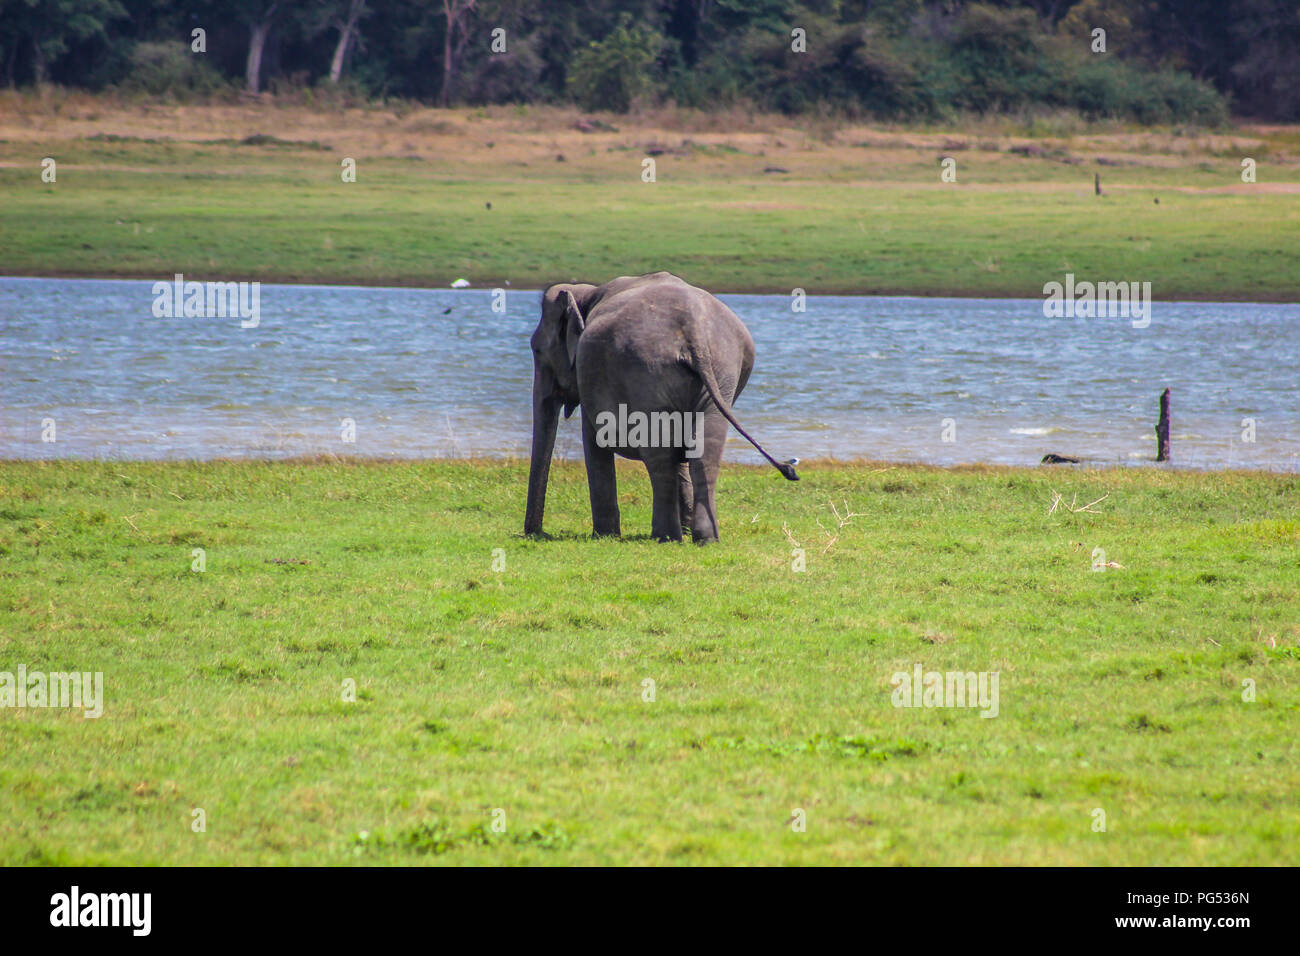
[1143, 60]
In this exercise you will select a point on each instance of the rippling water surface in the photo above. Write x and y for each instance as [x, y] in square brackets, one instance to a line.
[438, 373]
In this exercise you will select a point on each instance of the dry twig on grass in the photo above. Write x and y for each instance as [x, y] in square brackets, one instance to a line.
[1057, 501]
[841, 520]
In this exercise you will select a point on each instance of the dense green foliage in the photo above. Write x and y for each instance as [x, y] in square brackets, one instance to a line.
[494, 673]
[1183, 60]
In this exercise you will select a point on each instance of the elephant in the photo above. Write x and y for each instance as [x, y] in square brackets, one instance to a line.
[655, 364]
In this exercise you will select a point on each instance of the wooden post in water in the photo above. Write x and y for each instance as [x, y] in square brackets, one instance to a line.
[1162, 428]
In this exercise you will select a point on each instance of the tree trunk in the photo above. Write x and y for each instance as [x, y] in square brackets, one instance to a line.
[1162, 428]
[446, 86]
[256, 44]
[455, 11]
[340, 51]
[347, 30]
[40, 67]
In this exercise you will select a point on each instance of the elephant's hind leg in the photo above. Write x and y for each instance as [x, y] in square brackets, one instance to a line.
[685, 496]
[704, 475]
[602, 483]
[665, 480]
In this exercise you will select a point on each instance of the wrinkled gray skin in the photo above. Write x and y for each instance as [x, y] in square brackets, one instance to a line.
[652, 343]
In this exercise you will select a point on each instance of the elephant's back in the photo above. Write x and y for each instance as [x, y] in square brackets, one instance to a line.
[647, 341]
[661, 312]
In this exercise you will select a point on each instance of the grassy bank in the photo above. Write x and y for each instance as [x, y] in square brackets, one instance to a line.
[740, 203]
[522, 689]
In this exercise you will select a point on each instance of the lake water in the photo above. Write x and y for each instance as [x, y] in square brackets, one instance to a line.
[425, 372]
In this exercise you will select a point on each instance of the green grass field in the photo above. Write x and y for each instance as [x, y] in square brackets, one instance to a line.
[521, 689]
[845, 211]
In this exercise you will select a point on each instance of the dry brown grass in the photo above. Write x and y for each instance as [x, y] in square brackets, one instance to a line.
[508, 137]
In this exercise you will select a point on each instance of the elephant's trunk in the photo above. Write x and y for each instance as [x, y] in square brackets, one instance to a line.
[546, 414]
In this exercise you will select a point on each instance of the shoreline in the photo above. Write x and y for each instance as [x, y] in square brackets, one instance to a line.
[406, 282]
[865, 465]
[740, 205]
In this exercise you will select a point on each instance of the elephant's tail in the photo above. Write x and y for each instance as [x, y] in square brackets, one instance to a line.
[705, 371]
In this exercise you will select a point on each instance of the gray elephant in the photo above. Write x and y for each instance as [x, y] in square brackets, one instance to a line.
[655, 364]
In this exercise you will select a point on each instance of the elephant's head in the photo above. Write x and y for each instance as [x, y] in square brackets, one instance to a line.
[555, 383]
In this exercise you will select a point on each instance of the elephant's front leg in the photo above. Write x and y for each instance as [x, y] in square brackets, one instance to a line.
[602, 482]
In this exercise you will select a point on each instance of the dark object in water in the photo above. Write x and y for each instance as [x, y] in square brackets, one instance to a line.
[1053, 459]
[1162, 428]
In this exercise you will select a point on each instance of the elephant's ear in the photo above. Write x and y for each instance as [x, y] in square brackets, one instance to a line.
[573, 325]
